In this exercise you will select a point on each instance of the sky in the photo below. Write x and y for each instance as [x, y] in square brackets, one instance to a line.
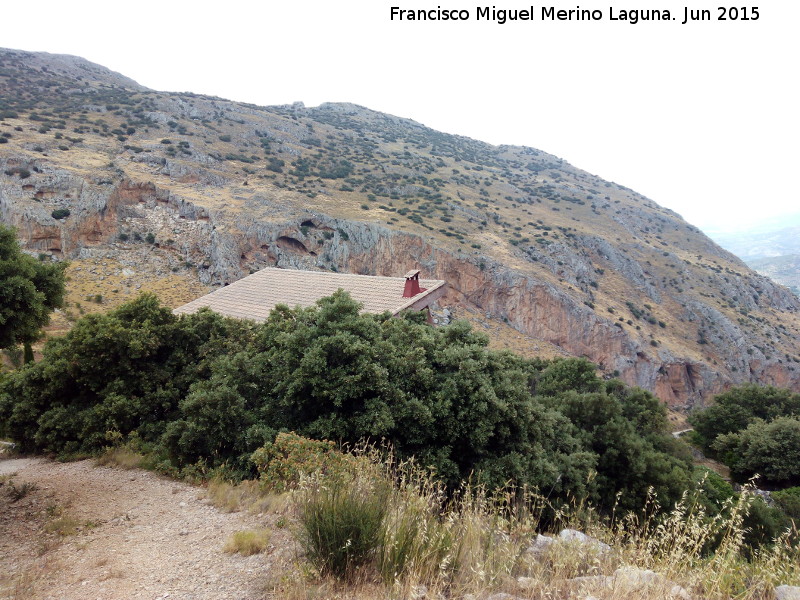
[700, 117]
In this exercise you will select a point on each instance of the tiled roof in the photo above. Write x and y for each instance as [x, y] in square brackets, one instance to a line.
[254, 296]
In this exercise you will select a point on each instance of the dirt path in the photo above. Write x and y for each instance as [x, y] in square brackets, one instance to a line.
[134, 535]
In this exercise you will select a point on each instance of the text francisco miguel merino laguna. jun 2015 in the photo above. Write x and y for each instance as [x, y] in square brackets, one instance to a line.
[630, 16]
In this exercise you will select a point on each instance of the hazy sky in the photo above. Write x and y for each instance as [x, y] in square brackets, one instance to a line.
[702, 118]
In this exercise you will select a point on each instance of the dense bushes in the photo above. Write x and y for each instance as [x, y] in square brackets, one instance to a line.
[754, 430]
[122, 372]
[737, 408]
[206, 390]
[771, 450]
[29, 290]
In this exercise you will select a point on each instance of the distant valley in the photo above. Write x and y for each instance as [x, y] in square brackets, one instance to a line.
[772, 250]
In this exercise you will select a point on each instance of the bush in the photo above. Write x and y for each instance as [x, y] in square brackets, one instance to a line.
[210, 391]
[248, 542]
[738, 407]
[771, 450]
[788, 501]
[341, 520]
[21, 172]
[60, 213]
[124, 371]
[283, 463]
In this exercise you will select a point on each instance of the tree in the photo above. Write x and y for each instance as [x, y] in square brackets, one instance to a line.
[740, 406]
[770, 449]
[124, 372]
[29, 290]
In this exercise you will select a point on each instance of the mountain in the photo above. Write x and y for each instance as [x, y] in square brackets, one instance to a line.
[185, 189]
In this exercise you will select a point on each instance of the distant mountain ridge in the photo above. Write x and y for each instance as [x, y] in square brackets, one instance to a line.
[211, 189]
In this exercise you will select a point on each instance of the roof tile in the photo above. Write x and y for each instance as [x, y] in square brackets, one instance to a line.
[254, 296]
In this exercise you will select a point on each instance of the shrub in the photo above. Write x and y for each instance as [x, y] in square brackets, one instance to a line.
[21, 172]
[60, 213]
[283, 463]
[210, 392]
[341, 520]
[17, 493]
[275, 164]
[788, 501]
[737, 408]
[248, 542]
[771, 450]
[123, 371]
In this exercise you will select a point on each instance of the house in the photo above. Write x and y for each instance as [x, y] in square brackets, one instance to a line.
[254, 296]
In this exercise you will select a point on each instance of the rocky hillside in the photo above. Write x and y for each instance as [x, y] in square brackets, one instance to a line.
[95, 167]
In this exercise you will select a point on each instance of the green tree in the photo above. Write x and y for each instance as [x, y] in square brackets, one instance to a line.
[124, 371]
[328, 372]
[788, 501]
[203, 389]
[737, 408]
[770, 449]
[29, 291]
[630, 457]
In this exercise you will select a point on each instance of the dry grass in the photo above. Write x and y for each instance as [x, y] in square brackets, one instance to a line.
[248, 542]
[246, 496]
[90, 279]
[64, 526]
[479, 544]
[120, 456]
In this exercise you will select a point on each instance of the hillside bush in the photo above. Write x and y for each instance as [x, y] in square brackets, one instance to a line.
[281, 464]
[737, 408]
[770, 449]
[21, 172]
[788, 501]
[623, 429]
[124, 371]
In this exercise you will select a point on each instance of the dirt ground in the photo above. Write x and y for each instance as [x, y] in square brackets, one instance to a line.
[80, 531]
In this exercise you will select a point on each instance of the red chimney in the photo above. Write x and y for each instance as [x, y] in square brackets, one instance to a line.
[412, 284]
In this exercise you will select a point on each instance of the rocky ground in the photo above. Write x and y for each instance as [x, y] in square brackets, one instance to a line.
[79, 531]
